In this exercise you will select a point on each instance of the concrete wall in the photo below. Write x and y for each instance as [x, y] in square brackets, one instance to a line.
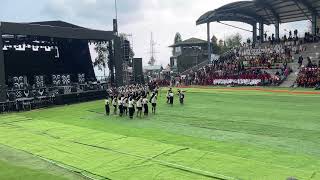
[187, 62]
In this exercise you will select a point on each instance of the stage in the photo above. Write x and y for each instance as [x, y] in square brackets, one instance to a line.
[49, 63]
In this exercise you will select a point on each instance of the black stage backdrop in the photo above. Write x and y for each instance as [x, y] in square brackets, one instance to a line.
[74, 58]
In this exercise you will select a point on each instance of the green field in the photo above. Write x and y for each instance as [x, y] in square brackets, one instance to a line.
[217, 134]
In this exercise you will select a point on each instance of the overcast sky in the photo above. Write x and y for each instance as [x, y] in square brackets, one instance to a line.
[137, 17]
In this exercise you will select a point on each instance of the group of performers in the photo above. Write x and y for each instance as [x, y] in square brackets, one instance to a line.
[131, 99]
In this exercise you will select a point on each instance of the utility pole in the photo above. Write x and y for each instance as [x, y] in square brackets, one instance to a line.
[116, 8]
[152, 51]
[116, 28]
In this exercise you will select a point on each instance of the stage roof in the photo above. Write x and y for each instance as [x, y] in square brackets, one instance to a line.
[268, 11]
[55, 29]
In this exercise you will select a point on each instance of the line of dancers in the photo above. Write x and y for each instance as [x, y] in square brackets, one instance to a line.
[135, 99]
[130, 99]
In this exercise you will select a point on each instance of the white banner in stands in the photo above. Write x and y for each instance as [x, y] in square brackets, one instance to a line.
[237, 81]
[256, 52]
[214, 57]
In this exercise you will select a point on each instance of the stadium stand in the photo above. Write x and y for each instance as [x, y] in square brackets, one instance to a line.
[267, 64]
[309, 77]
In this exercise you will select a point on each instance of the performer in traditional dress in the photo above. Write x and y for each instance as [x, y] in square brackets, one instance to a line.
[107, 106]
[145, 106]
[120, 103]
[139, 106]
[153, 101]
[115, 104]
[181, 96]
[171, 97]
[125, 105]
[131, 107]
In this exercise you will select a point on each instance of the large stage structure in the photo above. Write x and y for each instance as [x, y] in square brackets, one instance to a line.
[44, 56]
[264, 12]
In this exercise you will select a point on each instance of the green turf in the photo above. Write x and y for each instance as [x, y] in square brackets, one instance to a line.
[16, 164]
[216, 134]
[12, 172]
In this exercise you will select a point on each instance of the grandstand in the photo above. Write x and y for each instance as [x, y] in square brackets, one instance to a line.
[279, 61]
[311, 50]
[267, 61]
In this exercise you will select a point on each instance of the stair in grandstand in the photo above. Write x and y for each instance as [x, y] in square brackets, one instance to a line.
[291, 79]
[312, 51]
[195, 68]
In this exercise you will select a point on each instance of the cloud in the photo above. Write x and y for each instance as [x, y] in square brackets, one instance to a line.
[96, 11]
[137, 17]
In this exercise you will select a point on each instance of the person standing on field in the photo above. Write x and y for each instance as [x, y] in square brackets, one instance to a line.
[115, 104]
[139, 106]
[131, 107]
[145, 106]
[168, 95]
[171, 97]
[125, 106]
[107, 106]
[181, 96]
[120, 102]
[153, 101]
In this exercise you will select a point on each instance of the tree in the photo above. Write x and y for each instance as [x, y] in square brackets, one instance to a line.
[222, 47]
[221, 43]
[177, 38]
[214, 40]
[215, 47]
[102, 59]
[233, 41]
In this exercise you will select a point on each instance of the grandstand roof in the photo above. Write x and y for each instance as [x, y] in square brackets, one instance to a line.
[190, 42]
[268, 11]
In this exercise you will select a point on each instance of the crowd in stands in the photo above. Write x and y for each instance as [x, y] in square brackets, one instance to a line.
[159, 82]
[245, 66]
[309, 76]
[263, 65]
[250, 65]
[267, 57]
[293, 38]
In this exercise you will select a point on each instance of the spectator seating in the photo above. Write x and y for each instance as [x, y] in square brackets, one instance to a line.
[309, 77]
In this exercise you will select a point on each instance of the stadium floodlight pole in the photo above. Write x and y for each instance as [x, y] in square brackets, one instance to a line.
[209, 43]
